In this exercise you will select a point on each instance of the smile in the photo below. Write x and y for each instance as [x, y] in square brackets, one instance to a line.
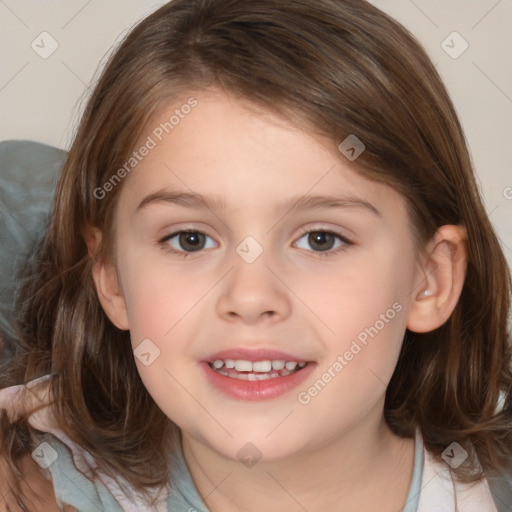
[256, 380]
[255, 370]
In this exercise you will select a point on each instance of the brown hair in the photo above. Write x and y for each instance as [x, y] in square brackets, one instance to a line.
[342, 67]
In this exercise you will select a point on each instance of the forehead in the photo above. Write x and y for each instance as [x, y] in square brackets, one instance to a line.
[235, 154]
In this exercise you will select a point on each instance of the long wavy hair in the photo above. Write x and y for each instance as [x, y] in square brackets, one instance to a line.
[340, 67]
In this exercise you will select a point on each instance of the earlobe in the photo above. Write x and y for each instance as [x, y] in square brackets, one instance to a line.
[107, 283]
[441, 279]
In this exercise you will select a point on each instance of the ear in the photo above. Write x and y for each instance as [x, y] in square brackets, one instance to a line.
[106, 281]
[441, 274]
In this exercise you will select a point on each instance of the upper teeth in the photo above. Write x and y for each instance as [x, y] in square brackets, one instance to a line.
[257, 366]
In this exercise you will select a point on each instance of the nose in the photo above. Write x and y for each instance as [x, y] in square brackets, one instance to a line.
[252, 293]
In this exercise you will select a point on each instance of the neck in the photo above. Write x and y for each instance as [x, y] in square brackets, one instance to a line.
[367, 468]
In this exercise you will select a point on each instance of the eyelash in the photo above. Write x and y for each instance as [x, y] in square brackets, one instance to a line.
[346, 242]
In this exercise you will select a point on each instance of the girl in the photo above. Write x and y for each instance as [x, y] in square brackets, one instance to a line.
[269, 282]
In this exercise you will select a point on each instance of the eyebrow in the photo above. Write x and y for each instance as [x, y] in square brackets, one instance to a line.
[304, 202]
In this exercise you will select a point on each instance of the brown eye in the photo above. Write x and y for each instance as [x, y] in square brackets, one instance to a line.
[186, 241]
[321, 240]
[191, 240]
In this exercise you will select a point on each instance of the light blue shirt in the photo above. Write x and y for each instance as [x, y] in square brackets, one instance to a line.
[73, 488]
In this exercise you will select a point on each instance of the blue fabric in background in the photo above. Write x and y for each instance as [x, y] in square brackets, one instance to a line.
[28, 174]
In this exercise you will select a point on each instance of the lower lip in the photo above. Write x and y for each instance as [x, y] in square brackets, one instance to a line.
[256, 390]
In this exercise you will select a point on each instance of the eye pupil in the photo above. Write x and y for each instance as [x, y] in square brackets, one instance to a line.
[191, 240]
[319, 237]
[320, 241]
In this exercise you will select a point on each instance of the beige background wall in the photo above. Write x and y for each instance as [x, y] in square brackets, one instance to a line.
[41, 98]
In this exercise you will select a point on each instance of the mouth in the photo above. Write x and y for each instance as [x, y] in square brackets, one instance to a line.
[256, 370]
[256, 378]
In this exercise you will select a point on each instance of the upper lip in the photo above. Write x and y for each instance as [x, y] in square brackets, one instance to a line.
[254, 354]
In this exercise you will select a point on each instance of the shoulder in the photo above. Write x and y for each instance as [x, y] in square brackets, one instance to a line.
[440, 490]
[36, 489]
[500, 484]
[23, 399]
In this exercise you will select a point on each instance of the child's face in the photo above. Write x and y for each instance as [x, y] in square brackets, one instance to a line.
[344, 313]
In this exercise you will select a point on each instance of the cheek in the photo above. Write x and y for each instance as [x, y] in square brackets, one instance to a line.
[163, 303]
[158, 295]
[367, 287]
[352, 379]
[158, 301]
[367, 314]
